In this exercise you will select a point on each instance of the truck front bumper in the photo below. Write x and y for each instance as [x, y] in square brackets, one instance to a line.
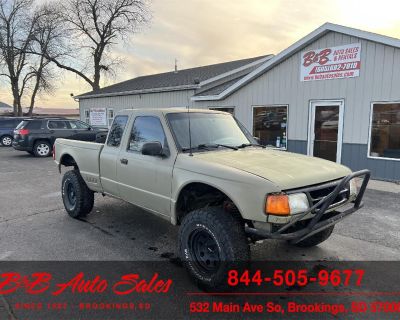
[297, 229]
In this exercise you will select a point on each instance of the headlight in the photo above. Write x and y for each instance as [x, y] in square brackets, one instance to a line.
[298, 202]
[284, 205]
[353, 187]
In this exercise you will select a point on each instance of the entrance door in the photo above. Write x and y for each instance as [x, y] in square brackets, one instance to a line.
[325, 129]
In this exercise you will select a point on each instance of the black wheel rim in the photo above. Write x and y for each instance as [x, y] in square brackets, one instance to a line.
[71, 194]
[205, 251]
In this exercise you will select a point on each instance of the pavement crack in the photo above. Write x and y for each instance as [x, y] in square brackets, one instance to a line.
[29, 215]
[96, 227]
[8, 308]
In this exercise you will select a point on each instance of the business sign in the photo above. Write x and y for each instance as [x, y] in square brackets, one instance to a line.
[98, 116]
[331, 63]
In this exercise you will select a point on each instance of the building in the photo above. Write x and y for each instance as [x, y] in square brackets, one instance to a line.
[333, 94]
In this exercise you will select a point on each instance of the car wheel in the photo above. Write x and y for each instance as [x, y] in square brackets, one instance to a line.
[6, 141]
[42, 149]
[211, 242]
[77, 197]
[315, 239]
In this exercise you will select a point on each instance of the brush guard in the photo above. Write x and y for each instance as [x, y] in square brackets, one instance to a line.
[318, 222]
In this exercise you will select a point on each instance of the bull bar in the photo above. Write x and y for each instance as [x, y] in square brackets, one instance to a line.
[317, 223]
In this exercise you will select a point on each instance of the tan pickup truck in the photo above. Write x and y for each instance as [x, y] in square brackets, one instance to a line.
[203, 171]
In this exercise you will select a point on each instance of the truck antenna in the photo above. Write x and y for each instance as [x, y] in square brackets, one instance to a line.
[190, 134]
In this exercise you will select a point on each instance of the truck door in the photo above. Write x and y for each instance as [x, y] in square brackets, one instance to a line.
[146, 180]
[109, 156]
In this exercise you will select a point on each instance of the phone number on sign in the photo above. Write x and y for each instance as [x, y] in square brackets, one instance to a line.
[300, 277]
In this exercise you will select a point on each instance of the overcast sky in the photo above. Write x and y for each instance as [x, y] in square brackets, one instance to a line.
[201, 32]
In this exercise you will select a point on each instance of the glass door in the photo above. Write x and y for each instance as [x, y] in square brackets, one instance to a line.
[325, 136]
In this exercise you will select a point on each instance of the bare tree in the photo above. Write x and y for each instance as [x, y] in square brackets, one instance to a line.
[90, 30]
[27, 74]
[15, 36]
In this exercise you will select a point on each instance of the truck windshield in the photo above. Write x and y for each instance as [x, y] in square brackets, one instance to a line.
[207, 130]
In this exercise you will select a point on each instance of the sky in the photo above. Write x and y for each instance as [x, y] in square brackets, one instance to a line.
[201, 32]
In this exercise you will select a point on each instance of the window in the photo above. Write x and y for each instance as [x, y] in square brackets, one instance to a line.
[270, 125]
[8, 124]
[230, 110]
[385, 131]
[58, 125]
[78, 125]
[33, 125]
[110, 116]
[146, 129]
[87, 116]
[206, 128]
[116, 131]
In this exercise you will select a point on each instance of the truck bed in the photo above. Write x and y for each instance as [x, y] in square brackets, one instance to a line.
[87, 157]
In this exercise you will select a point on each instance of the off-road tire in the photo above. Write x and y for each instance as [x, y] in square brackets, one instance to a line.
[42, 145]
[78, 199]
[6, 141]
[225, 232]
[316, 239]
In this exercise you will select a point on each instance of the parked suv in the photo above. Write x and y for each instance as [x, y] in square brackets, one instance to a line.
[37, 136]
[7, 126]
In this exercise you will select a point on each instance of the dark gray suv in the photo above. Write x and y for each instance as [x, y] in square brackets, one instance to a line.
[37, 136]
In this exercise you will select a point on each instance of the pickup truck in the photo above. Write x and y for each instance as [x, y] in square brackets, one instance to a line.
[203, 171]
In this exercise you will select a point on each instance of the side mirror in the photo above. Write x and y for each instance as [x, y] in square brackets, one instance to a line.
[152, 148]
[90, 128]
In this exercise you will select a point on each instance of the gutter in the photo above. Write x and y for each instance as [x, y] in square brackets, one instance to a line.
[134, 92]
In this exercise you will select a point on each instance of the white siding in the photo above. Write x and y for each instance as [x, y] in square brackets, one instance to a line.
[379, 81]
[148, 100]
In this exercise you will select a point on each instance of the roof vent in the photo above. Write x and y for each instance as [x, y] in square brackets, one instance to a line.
[196, 81]
[176, 66]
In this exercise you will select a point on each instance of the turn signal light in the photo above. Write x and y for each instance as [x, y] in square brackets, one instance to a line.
[277, 204]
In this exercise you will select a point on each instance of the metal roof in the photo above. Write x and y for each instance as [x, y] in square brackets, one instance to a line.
[182, 79]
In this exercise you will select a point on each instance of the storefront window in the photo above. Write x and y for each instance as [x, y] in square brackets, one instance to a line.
[270, 125]
[231, 110]
[385, 131]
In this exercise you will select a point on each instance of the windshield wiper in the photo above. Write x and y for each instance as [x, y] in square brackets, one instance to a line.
[207, 146]
[244, 145]
[215, 145]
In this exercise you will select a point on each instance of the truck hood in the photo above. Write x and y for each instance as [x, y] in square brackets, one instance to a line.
[285, 169]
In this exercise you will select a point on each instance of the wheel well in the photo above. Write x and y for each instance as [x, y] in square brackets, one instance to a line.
[200, 195]
[68, 161]
[46, 140]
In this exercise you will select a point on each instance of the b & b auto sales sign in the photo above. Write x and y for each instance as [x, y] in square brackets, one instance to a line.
[331, 63]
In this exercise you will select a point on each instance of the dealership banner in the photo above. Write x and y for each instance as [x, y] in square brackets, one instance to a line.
[163, 290]
[331, 63]
[98, 116]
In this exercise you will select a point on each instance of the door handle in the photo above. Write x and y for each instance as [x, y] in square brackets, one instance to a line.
[124, 161]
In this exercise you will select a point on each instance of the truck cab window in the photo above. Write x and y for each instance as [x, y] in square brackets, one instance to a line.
[146, 129]
[116, 131]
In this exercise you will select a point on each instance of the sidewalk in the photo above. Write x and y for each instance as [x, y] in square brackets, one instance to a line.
[384, 186]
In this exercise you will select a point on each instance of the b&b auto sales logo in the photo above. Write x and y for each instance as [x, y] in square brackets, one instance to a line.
[41, 282]
[331, 63]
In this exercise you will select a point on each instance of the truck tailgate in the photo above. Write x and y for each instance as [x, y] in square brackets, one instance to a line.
[86, 155]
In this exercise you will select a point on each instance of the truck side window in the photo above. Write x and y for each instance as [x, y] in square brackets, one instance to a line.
[146, 129]
[116, 131]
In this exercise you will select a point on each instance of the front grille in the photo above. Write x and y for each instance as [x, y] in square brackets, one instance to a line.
[316, 193]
